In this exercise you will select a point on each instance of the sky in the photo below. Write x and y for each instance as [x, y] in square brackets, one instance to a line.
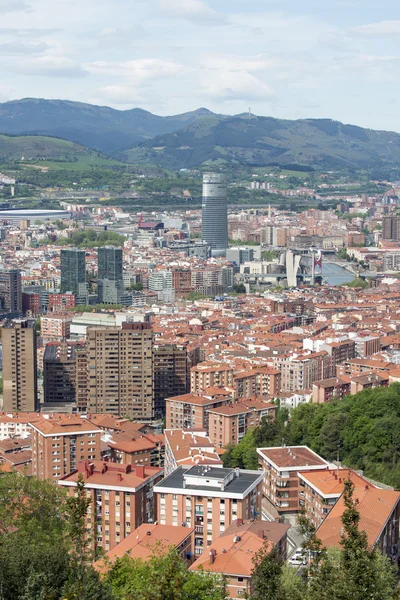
[290, 59]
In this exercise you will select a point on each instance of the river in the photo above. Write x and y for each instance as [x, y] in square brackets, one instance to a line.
[335, 274]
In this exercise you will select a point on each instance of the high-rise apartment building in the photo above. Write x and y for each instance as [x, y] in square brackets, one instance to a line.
[73, 273]
[190, 411]
[59, 373]
[215, 213]
[10, 293]
[209, 499]
[55, 327]
[120, 370]
[110, 275]
[60, 442]
[121, 499]
[391, 228]
[210, 374]
[170, 364]
[19, 366]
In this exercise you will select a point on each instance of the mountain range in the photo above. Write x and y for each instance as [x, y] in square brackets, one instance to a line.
[194, 138]
[98, 127]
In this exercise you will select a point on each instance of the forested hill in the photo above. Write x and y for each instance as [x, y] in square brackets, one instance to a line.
[201, 136]
[260, 141]
[98, 127]
[365, 426]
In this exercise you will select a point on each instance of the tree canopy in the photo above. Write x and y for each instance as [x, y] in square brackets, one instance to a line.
[365, 428]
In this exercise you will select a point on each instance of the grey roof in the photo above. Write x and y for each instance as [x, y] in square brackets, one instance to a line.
[54, 352]
[239, 485]
[209, 473]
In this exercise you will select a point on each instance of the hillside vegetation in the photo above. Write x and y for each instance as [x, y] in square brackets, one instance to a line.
[365, 428]
[259, 141]
[38, 147]
[98, 127]
[193, 139]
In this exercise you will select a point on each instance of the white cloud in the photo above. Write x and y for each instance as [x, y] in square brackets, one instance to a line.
[29, 33]
[381, 29]
[196, 11]
[51, 66]
[126, 95]
[233, 85]
[8, 6]
[139, 70]
[10, 48]
[6, 93]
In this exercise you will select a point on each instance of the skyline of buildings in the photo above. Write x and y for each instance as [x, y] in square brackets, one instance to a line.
[204, 361]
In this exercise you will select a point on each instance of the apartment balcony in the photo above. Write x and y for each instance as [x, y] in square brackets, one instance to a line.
[282, 484]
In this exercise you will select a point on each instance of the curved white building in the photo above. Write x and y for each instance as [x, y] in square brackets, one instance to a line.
[33, 214]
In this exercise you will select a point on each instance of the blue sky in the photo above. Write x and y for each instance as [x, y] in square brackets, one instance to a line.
[292, 59]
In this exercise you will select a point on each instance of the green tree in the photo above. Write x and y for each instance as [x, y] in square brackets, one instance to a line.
[240, 288]
[355, 571]
[77, 507]
[163, 577]
[38, 561]
[267, 575]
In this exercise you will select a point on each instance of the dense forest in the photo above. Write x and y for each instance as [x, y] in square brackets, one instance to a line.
[363, 429]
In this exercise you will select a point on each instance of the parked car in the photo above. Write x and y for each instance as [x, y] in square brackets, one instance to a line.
[298, 558]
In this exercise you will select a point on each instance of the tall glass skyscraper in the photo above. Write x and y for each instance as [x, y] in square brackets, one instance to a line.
[215, 213]
[73, 271]
[110, 277]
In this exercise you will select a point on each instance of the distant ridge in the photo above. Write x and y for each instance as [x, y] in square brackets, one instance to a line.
[197, 137]
[99, 127]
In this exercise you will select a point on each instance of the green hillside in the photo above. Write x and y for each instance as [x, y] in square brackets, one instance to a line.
[50, 152]
[259, 141]
[99, 127]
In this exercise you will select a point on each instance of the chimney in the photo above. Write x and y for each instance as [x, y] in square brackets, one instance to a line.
[366, 488]
[139, 471]
[212, 556]
[119, 477]
[260, 533]
[239, 522]
[83, 466]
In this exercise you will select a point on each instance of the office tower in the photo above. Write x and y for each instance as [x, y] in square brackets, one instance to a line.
[110, 277]
[10, 293]
[120, 370]
[59, 442]
[161, 283]
[215, 213]
[73, 273]
[19, 366]
[59, 373]
[391, 228]
[170, 366]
